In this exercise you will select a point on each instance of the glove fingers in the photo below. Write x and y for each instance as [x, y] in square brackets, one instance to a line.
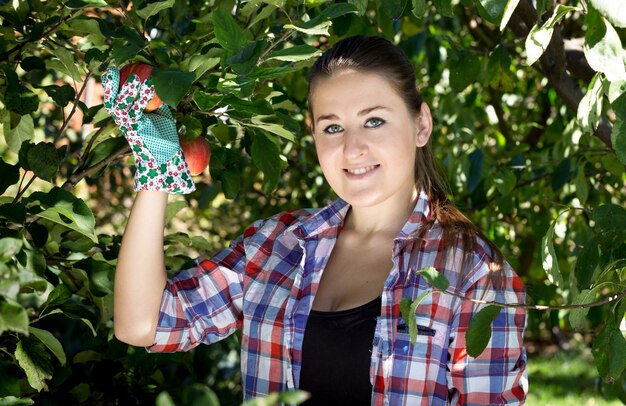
[110, 83]
[145, 93]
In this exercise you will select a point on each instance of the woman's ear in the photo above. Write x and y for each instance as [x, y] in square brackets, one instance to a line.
[424, 125]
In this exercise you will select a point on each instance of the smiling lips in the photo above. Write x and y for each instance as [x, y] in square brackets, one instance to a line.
[361, 171]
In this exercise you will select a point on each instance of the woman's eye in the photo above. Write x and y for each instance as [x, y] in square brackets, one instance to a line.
[374, 122]
[332, 129]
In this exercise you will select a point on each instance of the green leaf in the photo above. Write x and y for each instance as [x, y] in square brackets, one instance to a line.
[76, 4]
[361, 6]
[618, 136]
[320, 29]
[494, 9]
[293, 397]
[10, 175]
[610, 225]
[444, 7]
[412, 315]
[577, 317]
[104, 149]
[171, 86]
[13, 317]
[24, 131]
[154, 8]
[173, 208]
[509, 9]
[603, 48]
[586, 264]
[505, 181]
[434, 278]
[464, 69]
[68, 64]
[479, 330]
[328, 13]
[266, 157]
[608, 351]
[75, 317]
[539, 37]
[582, 185]
[33, 358]
[9, 247]
[50, 341]
[419, 8]
[612, 10]
[275, 129]
[42, 158]
[294, 54]
[228, 34]
[62, 207]
[231, 182]
[549, 260]
[59, 295]
[61, 95]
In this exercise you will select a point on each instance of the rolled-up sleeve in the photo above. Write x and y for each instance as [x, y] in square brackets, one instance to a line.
[202, 304]
[498, 375]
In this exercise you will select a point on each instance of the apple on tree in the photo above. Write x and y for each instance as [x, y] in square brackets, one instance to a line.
[144, 71]
[197, 153]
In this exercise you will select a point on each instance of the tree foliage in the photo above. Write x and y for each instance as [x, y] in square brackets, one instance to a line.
[529, 102]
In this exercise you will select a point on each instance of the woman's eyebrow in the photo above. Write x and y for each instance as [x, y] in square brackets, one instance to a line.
[360, 113]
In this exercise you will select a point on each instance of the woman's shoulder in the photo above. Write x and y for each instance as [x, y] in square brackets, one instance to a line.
[279, 222]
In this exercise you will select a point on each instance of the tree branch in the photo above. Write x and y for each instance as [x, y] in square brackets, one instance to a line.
[553, 64]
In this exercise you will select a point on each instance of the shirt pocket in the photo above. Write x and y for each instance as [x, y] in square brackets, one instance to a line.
[429, 339]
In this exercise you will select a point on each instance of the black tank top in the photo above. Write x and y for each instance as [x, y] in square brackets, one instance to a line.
[336, 354]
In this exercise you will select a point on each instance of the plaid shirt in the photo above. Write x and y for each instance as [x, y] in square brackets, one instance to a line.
[265, 284]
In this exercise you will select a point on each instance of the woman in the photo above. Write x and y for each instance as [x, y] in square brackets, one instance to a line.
[317, 292]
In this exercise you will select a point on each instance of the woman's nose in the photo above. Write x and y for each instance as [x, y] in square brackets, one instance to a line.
[354, 145]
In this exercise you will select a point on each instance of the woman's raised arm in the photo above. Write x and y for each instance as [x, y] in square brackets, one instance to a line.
[140, 273]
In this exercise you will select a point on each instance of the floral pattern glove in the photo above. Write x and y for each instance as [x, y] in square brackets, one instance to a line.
[153, 137]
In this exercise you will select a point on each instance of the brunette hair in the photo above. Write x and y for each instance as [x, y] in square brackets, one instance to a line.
[373, 54]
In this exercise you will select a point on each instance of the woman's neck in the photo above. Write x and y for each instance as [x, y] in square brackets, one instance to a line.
[386, 218]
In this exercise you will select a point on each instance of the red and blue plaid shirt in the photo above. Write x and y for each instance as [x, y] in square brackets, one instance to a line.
[265, 283]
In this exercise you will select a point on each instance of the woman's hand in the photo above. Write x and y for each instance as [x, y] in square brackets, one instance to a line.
[153, 137]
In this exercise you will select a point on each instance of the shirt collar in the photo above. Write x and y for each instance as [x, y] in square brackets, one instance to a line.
[328, 221]
[421, 213]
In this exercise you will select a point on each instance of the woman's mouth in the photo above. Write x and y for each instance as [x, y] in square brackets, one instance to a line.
[362, 170]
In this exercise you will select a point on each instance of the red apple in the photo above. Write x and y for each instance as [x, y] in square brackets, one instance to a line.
[143, 71]
[197, 153]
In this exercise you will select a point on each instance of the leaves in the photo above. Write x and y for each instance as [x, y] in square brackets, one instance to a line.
[228, 34]
[408, 309]
[171, 86]
[479, 331]
[35, 361]
[50, 341]
[434, 278]
[42, 158]
[590, 106]
[62, 207]
[540, 36]
[608, 351]
[154, 8]
[549, 260]
[266, 157]
[603, 48]
[13, 317]
[610, 224]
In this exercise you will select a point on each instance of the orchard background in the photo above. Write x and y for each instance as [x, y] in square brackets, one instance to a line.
[529, 104]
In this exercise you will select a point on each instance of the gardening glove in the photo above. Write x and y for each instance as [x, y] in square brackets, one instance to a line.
[153, 137]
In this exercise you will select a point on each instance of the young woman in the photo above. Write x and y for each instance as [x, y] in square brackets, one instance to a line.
[317, 293]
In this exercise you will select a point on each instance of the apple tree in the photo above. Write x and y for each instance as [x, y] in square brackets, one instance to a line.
[529, 105]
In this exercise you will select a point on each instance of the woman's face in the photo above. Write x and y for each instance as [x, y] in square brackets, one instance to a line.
[366, 137]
